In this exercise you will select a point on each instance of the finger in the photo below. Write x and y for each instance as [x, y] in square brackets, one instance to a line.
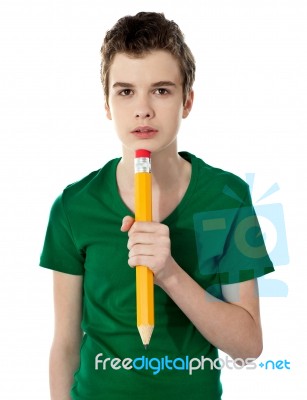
[149, 227]
[144, 260]
[141, 238]
[127, 222]
[141, 250]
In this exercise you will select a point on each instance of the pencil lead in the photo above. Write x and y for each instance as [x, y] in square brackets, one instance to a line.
[145, 345]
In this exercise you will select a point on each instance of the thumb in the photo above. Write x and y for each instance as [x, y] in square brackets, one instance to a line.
[127, 223]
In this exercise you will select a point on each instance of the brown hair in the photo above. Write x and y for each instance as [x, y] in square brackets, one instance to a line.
[142, 33]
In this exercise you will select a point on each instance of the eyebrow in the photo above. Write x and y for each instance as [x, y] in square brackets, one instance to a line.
[122, 84]
[156, 84]
[163, 83]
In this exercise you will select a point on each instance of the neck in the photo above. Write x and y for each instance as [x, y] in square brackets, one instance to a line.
[167, 167]
[170, 174]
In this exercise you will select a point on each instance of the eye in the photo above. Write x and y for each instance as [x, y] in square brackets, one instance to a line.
[125, 92]
[161, 91]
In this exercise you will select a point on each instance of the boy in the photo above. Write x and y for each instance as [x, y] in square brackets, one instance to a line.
[203, 245]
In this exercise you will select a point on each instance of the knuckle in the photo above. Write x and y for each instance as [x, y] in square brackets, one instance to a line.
[132, 252]
[167, 240]
[166, 229]
[136, 226]
[130, 262]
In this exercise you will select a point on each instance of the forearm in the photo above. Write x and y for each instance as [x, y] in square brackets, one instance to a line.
[227, 326]
[62, 366]
[232, 326]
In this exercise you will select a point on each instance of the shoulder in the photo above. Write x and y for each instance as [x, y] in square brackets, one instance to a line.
[90, 183]
[220, 183]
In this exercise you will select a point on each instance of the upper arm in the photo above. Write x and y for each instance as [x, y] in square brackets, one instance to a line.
[68, 293]
[245, 295]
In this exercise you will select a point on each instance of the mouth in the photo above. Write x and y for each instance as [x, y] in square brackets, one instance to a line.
[144, 131]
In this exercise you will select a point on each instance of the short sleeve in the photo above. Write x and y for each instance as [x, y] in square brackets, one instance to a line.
[230, 244]
[60, 252]
[244, 255]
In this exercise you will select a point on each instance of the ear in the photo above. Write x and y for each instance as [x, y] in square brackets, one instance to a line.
[107, 111]
[187, 107]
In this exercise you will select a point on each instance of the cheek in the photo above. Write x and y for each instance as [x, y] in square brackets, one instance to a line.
[172, 109]
[120, 122]
[173, 122]
[119, 108]
[113, 112]
[178, 113]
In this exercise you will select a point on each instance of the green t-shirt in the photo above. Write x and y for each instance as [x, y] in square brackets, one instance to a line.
[214, 238]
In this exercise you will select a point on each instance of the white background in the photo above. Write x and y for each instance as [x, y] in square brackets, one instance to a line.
[249, 117]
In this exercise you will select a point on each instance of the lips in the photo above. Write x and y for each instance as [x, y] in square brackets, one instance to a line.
[144, 132]
[144, 129]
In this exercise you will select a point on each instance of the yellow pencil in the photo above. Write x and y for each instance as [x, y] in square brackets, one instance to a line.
[144, 276]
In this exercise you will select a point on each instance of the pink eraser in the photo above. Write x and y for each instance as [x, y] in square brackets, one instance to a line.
[142, 153]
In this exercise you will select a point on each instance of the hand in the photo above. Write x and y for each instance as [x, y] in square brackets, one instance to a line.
[149, 245]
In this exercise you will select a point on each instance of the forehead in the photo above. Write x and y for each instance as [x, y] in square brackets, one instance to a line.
[154, 66]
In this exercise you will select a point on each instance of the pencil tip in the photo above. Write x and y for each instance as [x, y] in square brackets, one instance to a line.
[145, 345]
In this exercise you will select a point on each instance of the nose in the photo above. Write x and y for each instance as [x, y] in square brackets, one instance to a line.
[143, 109]
[143, 115]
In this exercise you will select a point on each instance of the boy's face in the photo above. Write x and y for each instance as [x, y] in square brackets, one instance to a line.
[146, 100]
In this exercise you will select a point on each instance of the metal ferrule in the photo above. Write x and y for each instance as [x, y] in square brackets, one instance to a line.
[142, 164]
